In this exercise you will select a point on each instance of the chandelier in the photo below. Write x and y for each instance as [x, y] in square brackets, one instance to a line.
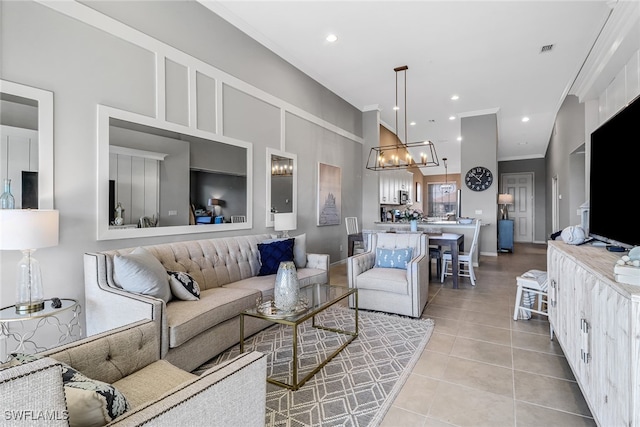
[399, 156]
[281, 166]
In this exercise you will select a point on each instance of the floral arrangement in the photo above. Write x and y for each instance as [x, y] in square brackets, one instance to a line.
[410, 214]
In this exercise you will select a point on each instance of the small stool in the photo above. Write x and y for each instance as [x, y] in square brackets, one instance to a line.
[531, 284]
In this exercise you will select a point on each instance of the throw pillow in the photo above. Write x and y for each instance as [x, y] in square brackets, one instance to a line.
[90, 402]
[299, 248]
[272, 254]
[393, 258]
[142, 273]
[183, 286]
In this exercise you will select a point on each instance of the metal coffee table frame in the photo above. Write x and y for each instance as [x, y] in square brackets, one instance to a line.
[295, 320]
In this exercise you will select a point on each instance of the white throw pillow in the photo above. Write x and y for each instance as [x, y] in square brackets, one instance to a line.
[299, 248]
[142, 273]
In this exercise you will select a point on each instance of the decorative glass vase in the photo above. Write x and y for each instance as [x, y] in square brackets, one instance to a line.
[287, 291]
[7, 201]
[414, 225]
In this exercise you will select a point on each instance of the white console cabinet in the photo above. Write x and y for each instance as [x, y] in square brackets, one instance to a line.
[596, 320]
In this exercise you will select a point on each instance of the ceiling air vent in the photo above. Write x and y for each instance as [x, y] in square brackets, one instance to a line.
[546, 48]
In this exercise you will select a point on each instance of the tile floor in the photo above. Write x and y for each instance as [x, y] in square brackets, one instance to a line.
[482, 368]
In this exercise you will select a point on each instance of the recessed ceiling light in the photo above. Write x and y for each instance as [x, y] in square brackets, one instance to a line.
[452, 117]
[525, 119]
[331, 38]
[455, 97]
[412, 123]
[459, 138]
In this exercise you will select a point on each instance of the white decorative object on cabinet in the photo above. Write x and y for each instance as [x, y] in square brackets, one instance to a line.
[597, 323]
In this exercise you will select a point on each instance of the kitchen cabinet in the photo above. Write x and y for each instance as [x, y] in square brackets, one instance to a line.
[391, 183]
[596, 320]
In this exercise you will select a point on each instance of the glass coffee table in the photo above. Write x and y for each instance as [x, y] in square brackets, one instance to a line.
[315, 298]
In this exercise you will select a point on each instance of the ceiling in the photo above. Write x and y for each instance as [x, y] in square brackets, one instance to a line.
[487, 53]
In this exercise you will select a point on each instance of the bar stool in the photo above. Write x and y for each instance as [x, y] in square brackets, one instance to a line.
[532, 285]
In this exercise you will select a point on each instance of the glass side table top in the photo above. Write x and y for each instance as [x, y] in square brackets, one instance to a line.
[8, 314]
[313, 299]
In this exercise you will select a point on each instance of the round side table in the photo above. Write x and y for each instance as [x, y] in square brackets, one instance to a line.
[22, 328]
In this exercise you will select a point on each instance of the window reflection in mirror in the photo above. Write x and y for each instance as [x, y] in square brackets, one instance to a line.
[26, 144]
[281, 183]
[165, 180]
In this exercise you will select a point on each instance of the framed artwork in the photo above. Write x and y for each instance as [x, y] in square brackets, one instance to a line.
[418, 192]
[329, 194]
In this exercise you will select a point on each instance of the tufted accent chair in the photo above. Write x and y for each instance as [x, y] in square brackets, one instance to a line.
[392, 290]
[158, 393]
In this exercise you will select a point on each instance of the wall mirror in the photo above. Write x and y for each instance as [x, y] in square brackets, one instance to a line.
[157, 178]
[282, 183]
[26, 144]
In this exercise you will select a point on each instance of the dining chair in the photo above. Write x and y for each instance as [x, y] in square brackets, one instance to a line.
[465, 259]
[238, 218]
[351, 223]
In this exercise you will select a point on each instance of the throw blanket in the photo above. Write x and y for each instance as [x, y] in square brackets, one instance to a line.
[529, 298]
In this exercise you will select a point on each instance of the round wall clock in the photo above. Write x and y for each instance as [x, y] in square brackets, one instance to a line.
[478, 178]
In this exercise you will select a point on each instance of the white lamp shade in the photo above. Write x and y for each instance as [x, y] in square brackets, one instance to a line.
[284, 221]
[505, 199]
[22, 229]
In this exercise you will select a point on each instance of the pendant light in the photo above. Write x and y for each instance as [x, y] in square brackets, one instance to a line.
[399, 156]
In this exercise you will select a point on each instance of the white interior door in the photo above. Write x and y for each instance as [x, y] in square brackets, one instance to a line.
[522, 211]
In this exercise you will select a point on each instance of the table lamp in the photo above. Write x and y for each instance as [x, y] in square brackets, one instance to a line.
[215, 206]
[284, 222]
[27, 230]
[504, 200]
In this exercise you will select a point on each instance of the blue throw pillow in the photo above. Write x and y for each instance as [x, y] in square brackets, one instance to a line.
[393, 258]
[272, 254]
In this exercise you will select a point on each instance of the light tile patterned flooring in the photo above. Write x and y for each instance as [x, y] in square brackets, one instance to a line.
[482, 368]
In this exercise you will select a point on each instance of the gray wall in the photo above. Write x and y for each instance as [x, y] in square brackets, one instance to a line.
[538, 168]
[84, 67]
[479, 147]
[567, 136]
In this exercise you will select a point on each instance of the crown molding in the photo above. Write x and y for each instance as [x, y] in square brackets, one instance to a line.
[616, 27]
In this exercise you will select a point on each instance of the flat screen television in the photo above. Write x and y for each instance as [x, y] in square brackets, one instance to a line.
[615, 169]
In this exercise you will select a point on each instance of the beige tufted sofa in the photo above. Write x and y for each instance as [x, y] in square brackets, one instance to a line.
[158, 393]
[192, 332]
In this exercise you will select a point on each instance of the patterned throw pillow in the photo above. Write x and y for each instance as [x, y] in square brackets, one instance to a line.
[393, 258]
[183, 286]
[90, 402]
[271, 254]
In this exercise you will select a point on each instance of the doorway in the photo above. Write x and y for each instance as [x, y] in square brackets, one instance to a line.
[520, 185]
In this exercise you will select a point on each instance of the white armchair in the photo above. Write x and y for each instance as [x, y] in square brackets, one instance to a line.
[394, 289]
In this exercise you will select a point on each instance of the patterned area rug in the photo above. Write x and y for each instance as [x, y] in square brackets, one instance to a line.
[357, 387]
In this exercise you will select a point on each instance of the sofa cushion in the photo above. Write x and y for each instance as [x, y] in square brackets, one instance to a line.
[151, 382]
[393, 258]
[142, 273]
[263, 284]
[89, 402]
[186, 319]
[272, 254]
[183, 286]
[384, 279]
